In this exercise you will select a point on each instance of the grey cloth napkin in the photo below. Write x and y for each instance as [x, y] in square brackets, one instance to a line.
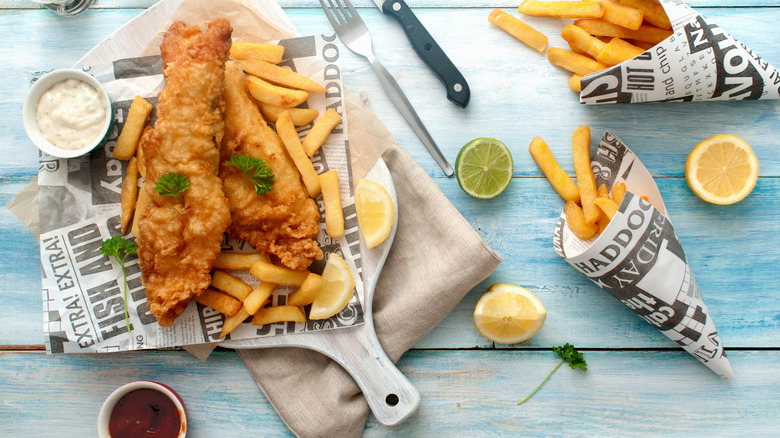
[436, 258]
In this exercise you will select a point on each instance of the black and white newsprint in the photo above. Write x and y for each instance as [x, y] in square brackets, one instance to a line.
[83, 293]
[699, 61]
[638, 259]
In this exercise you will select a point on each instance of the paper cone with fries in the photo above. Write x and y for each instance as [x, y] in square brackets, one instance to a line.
[639, 260]
[697, 61]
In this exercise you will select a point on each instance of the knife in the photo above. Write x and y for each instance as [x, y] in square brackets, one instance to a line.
[457, 89]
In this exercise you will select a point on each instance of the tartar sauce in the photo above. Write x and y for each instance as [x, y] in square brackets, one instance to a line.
[71, 114]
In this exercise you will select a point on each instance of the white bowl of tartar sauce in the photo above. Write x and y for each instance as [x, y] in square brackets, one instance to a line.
[67, 113]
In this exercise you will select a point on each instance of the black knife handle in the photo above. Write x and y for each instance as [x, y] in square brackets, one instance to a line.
[457, 88]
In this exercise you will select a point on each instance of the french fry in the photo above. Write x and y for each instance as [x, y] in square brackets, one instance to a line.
[602, 191]
[231, 322]
[129, 193]
[576, 220]
[586, 181]
[219, 302]
[308, 291]
[137, 116]
[331, 197]
[273, 94]
[266, 271]
[289, 136]
[573, 62]
[620, 14]
[139, 156]
[581, 41]
[603, 221]
[269, 315]
[617, 51]
[279, 75]
[654, 13]
[521, 31]
[643, 44]
[575, 83]
[320, 131]
[231, 261]
[140, 205]
[618, 191]
[561, 9]
[266, 52]
[557, 177]
[299, 116]
[607, 206]
[258, 297]
[231, 285]
[645, 32]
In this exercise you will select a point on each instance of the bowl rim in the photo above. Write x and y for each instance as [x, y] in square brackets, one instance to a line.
[108, 405]
[43, 84]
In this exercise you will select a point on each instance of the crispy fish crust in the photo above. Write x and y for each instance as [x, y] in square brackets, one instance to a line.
[179, 239]
[283, 222]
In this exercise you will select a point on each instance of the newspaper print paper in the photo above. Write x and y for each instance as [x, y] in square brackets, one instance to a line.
[83, 293]
[699, 61]
[638, 259]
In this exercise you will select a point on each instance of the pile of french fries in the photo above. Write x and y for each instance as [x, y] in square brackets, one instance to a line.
[588, 208]
[278, 91]
[603, 34]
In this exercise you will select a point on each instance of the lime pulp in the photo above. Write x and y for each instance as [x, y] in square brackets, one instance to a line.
[484, 168]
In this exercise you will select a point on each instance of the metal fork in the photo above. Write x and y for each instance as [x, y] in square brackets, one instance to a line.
[354, 33]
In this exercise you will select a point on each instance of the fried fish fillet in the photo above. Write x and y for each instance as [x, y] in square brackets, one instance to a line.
[285, 221]
[180, 237]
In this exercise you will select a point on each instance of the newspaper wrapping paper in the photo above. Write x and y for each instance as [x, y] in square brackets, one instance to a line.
[83, 295]
[699, 61]
[638, 259]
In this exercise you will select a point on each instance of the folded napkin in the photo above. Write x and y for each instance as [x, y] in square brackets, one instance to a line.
[314, 395]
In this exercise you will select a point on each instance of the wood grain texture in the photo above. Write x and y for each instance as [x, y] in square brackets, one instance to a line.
[465, 393]
[469, 386]
[413, 4]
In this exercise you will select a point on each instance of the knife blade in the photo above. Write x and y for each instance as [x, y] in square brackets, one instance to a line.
[426, 47]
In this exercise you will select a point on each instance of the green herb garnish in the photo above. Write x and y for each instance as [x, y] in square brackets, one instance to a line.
[255, 171]
[120, 248]
[568, 354]
[172, 184]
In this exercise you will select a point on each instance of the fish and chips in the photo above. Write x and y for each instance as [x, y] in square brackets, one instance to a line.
[212, 150]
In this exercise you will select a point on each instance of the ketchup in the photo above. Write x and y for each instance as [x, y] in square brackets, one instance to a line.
[144, 413]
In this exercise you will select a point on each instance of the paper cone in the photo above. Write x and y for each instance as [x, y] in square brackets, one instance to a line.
[699, 61]
[638, 259]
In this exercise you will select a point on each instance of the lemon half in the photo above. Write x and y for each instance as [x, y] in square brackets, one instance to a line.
[508, 314]
[722, 169]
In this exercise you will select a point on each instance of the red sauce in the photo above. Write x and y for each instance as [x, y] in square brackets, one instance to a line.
[144, 413]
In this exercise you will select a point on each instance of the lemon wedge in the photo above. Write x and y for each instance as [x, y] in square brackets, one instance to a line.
[508, 314]
[375, 212]
[722, 169]
[336, 291]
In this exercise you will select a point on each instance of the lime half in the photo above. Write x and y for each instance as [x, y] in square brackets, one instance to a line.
[484, 168]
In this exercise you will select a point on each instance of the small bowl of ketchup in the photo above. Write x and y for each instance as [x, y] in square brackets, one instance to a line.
[143, 409]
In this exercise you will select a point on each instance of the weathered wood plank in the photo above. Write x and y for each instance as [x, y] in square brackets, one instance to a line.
[413, 4]
[516, 93]
[464, 393]
[733, 253]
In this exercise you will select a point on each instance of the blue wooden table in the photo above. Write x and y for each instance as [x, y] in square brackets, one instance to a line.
[638, 382]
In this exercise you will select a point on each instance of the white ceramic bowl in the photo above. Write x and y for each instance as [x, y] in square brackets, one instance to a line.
[108, 406]
[31, 103]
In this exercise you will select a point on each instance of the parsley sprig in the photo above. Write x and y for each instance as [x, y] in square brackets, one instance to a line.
[568, 354]
[120, 248]
[255, 171]
[172, 184]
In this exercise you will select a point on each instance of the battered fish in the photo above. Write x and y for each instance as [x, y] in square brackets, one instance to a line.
[285, 221]
[179, 238]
